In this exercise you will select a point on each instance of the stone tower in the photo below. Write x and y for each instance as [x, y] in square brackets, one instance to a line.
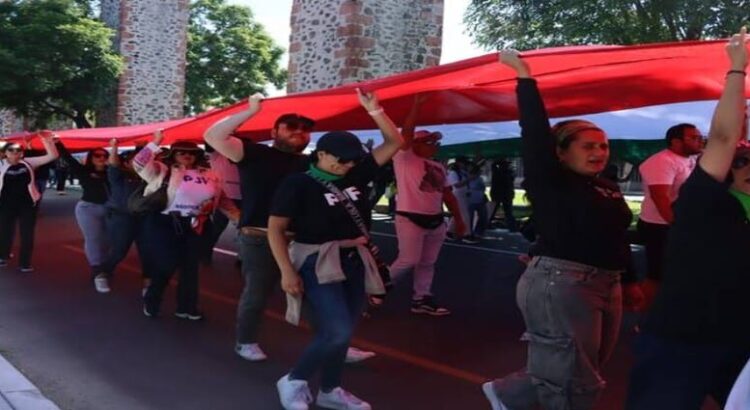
[152, 38]
[334, 42]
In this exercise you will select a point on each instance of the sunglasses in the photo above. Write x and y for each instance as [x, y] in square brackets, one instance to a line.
[740, 162]
[193, 153]
[345, 161]
[14, 150]
[302, 125]
[100, 155]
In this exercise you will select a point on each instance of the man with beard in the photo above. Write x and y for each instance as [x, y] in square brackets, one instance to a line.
[261, 169]
[663, 174]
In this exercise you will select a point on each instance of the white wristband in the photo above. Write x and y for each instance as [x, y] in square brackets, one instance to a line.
[376, 112]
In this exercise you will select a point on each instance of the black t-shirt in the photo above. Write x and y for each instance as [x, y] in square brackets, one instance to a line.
[316, 215]
[703, 294]
[578, 218]
[261, 171]
[16, 186]
[94, 183]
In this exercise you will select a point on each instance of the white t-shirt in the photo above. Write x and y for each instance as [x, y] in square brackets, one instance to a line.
[229, 174]
[196, 188]
[663, 168]
[419, 183]
[461, 193]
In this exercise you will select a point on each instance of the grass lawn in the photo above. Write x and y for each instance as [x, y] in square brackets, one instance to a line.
[522, 208]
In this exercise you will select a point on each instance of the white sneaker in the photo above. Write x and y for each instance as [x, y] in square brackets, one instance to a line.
[341, 399]
[250, 351]
[354, 355]
[293, 394]
[101, 283]
[489, 392]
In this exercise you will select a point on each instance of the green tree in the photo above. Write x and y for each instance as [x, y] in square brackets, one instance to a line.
[55, 60]
[229, 57]
[525, 24]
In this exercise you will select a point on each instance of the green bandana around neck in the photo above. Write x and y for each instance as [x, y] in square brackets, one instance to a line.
[320, 174]
[744, 200]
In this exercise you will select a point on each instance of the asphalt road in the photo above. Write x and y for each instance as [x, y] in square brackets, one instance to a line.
[90, 351]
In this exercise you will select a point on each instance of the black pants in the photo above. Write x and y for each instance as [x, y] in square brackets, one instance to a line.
[60, 177]
[672, 374]
[123, 230]
[25, 217]
[507, 204]
[654, 238]
[170, 245]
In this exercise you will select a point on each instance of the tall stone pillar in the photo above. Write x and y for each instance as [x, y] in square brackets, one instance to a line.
[152, 38]
[334, 42]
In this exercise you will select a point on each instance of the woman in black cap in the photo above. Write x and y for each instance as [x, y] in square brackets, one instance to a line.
[175, 236]
[328, 262]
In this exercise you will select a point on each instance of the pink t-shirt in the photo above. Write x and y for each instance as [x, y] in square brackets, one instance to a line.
[663, 168]
[420, 183]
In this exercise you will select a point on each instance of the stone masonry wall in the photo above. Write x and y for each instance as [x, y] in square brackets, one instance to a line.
[334, 42]
[153, 43]
[9, 122]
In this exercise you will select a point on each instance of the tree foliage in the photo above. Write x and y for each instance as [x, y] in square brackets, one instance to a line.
[55, 60]
[525, 24]
[230, 56]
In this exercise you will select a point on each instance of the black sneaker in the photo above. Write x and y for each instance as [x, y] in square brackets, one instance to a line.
[26, 269]
[3, 263]
[470, 240]
[189, 316]
[427, 306]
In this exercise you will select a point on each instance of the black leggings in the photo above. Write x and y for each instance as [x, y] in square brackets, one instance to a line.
[25, 217]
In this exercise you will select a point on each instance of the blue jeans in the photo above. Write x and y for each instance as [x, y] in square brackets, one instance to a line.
[336, 308]
[672, 374]
[91, 219]
[478, 213]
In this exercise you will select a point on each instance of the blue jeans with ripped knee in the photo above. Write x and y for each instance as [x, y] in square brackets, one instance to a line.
[336, 308]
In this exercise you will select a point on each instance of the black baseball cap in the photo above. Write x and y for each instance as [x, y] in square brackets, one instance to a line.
[342, 144]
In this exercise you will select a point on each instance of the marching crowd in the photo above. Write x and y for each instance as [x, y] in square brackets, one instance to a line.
[304, 221]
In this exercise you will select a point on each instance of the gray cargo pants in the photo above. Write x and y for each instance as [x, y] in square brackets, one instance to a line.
[572, 313]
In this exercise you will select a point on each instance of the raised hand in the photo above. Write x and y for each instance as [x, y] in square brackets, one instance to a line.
[368, 100]
[737, 50]
[512, 58]
[158, 136]
[254, 102]
[113, 143]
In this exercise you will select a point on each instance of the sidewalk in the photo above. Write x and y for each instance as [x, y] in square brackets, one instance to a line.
[18, 393]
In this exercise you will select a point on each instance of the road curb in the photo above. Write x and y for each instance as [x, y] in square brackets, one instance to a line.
[18, 393]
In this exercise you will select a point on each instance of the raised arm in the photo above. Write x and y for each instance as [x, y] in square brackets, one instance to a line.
[145, 164]
[726, 124]
[114, 158]
[49, 147]
[537, 143]
[220, 136]
[391, 136]
[410, 123]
